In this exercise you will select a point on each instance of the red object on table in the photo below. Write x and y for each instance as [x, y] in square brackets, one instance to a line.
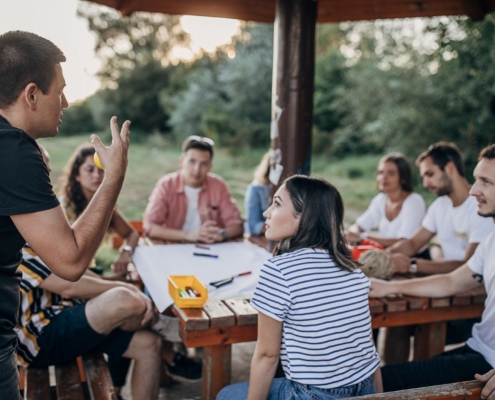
[365, 245]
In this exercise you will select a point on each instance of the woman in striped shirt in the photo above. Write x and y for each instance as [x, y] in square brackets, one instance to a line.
[312, 300]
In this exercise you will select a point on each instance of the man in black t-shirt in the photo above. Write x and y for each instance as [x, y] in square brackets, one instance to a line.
[31, 104]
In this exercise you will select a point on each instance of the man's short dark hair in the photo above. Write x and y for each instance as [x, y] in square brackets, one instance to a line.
[487, 152]
[196, 144]
[442, 153]
[26, 58]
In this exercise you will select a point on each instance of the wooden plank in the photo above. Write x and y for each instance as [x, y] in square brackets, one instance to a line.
[216, 370]
[245, 313]
[213, 337]
[22, 379]
[426, 316]
[429, 340]
[478, 295]
[461, 299]
[37, 384]
[417, 303]
[470, 390]
[440, 302]
[68, 381]
[376, 306]
[220, 315]
[192, 319]
[394, 304]
[98, 377]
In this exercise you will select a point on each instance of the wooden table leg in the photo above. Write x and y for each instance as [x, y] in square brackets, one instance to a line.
[429, 340]
[216, 369]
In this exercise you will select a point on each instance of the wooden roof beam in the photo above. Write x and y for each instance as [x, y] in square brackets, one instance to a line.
[475, 9]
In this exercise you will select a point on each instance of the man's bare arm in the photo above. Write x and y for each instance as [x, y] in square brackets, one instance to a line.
[85, 288]
[411, 246]
[67, 250]
[429, 267]
[443, 285]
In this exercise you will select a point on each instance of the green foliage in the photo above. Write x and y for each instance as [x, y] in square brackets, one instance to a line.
[230, 99]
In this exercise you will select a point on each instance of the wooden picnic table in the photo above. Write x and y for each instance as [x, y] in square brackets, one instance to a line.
[219, 324]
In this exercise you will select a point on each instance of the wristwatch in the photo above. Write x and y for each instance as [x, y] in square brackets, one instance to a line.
[127, 248]
[224, 234]
[413, 267]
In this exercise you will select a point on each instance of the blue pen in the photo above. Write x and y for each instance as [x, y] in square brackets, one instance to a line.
[205, 255]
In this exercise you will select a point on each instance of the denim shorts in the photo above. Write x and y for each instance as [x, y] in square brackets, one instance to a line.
[285, 389]
[9, 376]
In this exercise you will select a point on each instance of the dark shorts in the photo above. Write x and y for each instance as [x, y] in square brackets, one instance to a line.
[69, 335]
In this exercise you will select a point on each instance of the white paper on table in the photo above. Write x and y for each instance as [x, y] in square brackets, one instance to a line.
[155, 263]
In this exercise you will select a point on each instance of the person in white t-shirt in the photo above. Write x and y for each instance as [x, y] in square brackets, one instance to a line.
[454, 219]
[477, 356]
[452, 216]
[396, 211]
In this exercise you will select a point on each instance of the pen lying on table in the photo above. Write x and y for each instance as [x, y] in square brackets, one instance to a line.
[222, 282]
[205, 255]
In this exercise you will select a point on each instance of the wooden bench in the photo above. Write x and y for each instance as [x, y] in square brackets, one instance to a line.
[85, 378]
[219, 324]
[470, 390]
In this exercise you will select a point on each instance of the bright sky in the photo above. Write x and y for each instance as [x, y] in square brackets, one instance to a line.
[56, 20]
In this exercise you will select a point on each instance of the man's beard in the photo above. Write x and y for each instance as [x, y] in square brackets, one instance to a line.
[489, 215]
[446, 187]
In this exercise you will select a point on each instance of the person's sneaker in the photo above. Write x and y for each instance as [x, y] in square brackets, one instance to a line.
[184, 368]
[168, 328]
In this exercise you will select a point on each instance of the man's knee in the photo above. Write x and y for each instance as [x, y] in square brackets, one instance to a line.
[125, 301]
[144, 343]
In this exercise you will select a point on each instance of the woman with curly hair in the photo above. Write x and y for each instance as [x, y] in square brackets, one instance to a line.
[80, 181]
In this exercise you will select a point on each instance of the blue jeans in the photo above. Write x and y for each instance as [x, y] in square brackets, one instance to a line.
[9, 376]
[285, 389]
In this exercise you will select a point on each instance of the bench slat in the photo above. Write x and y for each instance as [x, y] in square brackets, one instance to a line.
[376, 306]
[395, 304]
[440, 302]
[193, 319]
[244, 312]
[68, 382]
[461, 299]
[98, 377]
[37, 384]
[462, 390]
[220, 315]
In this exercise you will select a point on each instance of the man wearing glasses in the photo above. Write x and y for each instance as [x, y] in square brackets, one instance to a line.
[192, 204]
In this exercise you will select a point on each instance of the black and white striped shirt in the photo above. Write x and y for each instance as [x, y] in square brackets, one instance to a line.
[326, 333]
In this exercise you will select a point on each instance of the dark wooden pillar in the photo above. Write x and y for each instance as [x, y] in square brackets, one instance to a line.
[293, 86]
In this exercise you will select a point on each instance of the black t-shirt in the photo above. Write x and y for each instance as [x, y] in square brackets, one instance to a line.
[25, 187]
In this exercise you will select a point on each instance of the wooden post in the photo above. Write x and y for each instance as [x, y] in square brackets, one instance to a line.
[293, 86]
[216, 369]
[429, 340]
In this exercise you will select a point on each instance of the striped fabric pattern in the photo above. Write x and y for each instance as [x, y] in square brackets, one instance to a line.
[326, 332]
[37, 307]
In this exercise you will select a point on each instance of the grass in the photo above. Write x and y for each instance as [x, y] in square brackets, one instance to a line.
[150, 159]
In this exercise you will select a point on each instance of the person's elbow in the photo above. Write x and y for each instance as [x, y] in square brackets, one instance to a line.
[270, 356]
[71, 272]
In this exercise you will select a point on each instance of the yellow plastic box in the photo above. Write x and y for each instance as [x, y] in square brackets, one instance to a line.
[177, 282]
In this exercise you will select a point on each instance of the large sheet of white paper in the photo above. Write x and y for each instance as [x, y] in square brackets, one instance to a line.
[155, 263]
